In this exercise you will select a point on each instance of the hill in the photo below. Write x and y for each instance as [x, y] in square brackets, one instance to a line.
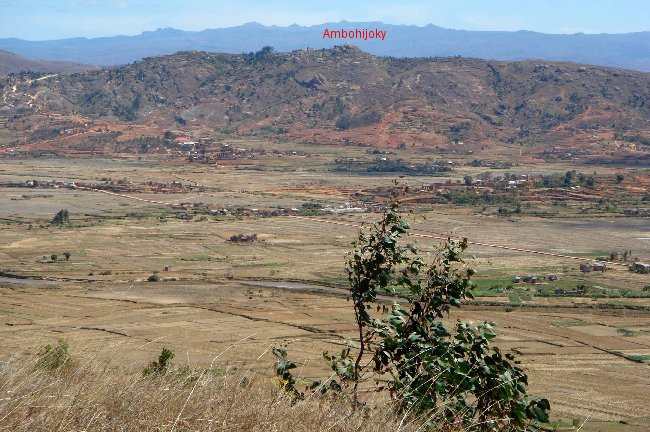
[345, 95]
[630, 50]
[13, 63]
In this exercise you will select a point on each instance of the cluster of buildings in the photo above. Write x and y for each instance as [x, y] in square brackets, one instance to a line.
[601, 266]
[637, 212]
[207, 150]
[122, 185]
[596, 266]
[640, 267]
[43, 184]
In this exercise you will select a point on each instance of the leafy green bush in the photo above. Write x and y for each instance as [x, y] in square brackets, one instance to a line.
[311, 209]
[283, 369]
[54, 357]
[514, 298]
[160, 366]
[451, 378]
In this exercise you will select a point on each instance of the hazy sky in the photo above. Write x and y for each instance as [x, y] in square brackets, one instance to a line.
[53, 19]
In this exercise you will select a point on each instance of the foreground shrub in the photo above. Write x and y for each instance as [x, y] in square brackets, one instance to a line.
[160, 366]
[445, 379]
[54, 357]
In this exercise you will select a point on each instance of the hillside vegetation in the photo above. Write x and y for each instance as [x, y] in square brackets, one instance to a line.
[345, 95]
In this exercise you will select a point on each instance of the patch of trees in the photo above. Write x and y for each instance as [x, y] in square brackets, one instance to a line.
[633, 138]
[311, 209]
[507, 211]
[392, 166]
[97, 140]
[472, 197]
[638, 101]
[401, 166]
[568, 179]
[495, 164]
[459, 131]
[128, 112]
[551, 119]
[274, 130]
[26, 75]
[349, 121]
[93, 98]
[55, 257]
[626, 159]
[262, 55]
[50, 132]
[143, 144]
[243, 238]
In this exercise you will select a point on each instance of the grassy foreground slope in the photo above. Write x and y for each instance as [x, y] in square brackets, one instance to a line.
[91, 396]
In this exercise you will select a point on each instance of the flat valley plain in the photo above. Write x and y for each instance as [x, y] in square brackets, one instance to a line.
[235, 300]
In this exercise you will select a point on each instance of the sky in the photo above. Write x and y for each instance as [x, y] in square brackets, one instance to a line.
[56, 19]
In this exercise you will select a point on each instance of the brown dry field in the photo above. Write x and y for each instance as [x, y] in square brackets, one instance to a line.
[212, 300]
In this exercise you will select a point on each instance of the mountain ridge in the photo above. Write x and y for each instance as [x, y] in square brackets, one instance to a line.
[346, 96]
[14, 63]
[623, 50]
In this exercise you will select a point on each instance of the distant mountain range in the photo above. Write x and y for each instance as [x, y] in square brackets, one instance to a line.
[629, 50]
[13, 63]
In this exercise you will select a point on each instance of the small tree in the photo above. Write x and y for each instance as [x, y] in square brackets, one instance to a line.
[61, 218]
[160, 366]
[568, 179]
[449, 378]
[66, 255]
[54, 257]
[266, 51]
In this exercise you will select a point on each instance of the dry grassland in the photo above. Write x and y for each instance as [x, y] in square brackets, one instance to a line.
[223, 297]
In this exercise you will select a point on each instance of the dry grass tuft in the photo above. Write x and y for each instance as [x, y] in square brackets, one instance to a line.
[88, 396]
